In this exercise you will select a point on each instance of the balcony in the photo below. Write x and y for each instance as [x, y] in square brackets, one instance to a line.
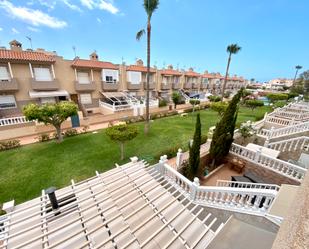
[106, 86]
[44, 85]
[134, 86]
[175, 85]
[187, 86]
[204, 86]
[166, 86]
[10, 85]
[84, 87]
[195, 85]
[152, 85]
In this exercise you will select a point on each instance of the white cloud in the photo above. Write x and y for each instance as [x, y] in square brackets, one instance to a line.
[1, 29]
[33, 29]
[32, 16]
[99, 20]
[88, 3]
[15, 31]
[71, 6]
[50, 5]
[108, 6]
[100, 4]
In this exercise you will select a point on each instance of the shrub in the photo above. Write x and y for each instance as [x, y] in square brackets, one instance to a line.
[219, 107]
[188, 110]
[162, 102]
[85, 128]
[253, 103]
[277, 96]
[279, 104]
[195, 101]
[259, 116]
[170, 152]
[44, 137]
[214, 98]
[70, 133]
[203, 139]
[9, 144]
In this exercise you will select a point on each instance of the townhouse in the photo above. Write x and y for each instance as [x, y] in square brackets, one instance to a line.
[41, 76]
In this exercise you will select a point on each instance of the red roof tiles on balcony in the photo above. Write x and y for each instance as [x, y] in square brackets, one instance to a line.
[93, 64]
[10, 55]
[138, 68]
[170, 72]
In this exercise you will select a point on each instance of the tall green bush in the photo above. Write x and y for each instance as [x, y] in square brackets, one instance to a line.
[194, 150]
[224, 132]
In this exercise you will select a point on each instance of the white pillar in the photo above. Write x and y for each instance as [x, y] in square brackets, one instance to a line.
[10, 69]
[53, 71]
[31, 71]
[179, 158]
[194, 187]
[258, 154]
[75, 72]
[91, 71]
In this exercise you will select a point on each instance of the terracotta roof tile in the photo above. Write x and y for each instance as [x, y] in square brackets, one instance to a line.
[170, 72]
[139, 69]
[25, 56]
[93, 64]
[192, 74]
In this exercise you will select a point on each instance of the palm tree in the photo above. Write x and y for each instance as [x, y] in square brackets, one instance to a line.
[298, 67]
[150, 6]
[231, 49]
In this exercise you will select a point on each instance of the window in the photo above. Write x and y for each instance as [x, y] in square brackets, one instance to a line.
[85, 98]
[48, 100]
[7, 101]
[176, 79]
[205, 80]
[83, 78]
[110, 76]
[134, 77]
[4, 74]
[42, 74]
[164, 80]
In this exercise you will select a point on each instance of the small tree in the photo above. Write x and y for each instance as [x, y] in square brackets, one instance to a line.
[246, 130]
[254, 103]
[213, 98]
[121, 134]
[54, 114]
[176, 97]
[219, 107]
[194, 102]
[276, 96]
[194, 150]
[223, 136]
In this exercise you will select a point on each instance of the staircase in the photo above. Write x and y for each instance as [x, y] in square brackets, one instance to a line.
[185, 96]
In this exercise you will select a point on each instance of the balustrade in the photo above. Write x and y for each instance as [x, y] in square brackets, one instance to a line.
[13, 121]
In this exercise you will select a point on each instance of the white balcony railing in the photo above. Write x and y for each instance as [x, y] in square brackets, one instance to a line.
[281, 167]
[13, 121]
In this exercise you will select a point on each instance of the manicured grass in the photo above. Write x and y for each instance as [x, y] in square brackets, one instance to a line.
[27, 170]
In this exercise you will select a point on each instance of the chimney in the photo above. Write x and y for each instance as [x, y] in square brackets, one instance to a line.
[139, 62]
[94, 56]
[15, 45]
[52, 197]
[170, 67]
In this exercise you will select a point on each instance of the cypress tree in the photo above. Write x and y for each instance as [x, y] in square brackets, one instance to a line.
[194, 151]
[224, 132]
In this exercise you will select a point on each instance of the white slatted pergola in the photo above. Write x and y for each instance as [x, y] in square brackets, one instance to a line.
[130, 206]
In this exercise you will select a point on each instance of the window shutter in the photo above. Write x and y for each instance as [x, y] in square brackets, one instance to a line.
[4, 74]
[134, 77]
[7, 101]
[83, 78]
[42, 74]
[85, 98]
[110, 73]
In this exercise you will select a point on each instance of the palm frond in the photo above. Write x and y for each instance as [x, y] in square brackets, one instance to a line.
[298, 67]
[139, 34]
[150, 6]
[233, 48]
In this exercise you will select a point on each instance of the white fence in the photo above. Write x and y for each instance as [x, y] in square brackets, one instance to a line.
[225, 183]
[13, 121]
[292, 144]
[284, 168]
[114, 107]
[247, 200]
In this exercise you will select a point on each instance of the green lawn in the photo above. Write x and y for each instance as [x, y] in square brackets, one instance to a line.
[27, 170]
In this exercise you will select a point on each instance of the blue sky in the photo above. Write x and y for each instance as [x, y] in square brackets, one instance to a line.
[273, 34]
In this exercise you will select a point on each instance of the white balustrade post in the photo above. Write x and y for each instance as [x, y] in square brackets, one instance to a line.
[258, 154]
[194, 186]
[179, 158]
[162, 161]
[271, 133]
[266, 142]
